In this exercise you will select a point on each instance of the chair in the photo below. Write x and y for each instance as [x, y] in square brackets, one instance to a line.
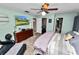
[8, 40]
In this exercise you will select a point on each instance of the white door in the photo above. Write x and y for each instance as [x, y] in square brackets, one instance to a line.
[39, 25]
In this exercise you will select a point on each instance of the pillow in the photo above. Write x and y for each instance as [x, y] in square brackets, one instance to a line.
[13, 36]
[76, 32]
[71, 32]
[1, 46]
[68, 37]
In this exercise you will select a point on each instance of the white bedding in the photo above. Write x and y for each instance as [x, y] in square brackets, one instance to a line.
[65, 49]
[69, 48]
[1, 46]
[53, 45]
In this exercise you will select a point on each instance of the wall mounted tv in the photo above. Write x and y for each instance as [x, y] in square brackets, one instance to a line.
[21, 20]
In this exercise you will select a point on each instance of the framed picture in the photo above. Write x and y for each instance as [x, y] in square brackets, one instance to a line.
[21, 20]
[50, 20]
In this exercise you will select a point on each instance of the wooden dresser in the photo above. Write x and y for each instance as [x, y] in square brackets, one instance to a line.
[20, 36]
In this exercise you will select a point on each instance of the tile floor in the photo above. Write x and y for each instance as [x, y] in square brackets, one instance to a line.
[29, 42]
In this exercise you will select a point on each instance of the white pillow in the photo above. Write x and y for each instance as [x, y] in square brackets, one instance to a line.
[77, 33]
[12, 36]
[68, 37]
[1, 46]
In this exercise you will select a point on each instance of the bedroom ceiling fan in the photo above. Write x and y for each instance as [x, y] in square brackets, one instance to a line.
[45, 8]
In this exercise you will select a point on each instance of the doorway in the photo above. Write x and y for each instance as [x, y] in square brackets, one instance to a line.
[58, 27]
[44, 25]
[34, 25]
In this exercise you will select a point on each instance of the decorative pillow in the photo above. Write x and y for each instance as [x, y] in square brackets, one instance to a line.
[77, 33]
[71, 32]
[68, 37]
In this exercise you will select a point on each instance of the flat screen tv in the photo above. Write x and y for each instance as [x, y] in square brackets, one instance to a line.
[21, 20]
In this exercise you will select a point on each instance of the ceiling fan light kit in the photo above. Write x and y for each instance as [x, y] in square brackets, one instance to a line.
[43, 13]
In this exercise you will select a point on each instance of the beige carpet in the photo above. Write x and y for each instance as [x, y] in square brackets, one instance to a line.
[30, 41]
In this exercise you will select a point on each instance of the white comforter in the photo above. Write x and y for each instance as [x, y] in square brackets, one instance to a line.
[69, 48]
[57, 46]
[53, 45]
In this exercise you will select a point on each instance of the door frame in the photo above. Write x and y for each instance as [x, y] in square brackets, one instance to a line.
[45, 23]
[39, 25]
[34, 19]
[56, 23]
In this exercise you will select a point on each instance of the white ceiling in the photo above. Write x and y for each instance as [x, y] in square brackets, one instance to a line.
[62, 7]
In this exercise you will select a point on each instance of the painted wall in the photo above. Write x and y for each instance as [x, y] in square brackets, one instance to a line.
[68, 20]
[49, 25]
[10, 26]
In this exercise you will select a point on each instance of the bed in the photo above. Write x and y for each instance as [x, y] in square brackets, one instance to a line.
[68, 47]
[41, 43]
[13, 49]
[55, 44]
[74, 42]
[64, 47]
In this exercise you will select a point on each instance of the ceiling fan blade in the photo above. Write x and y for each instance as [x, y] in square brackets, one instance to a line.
[47, 12]
[35, 9]
[39, 12]
[27, 11]
[50, 9]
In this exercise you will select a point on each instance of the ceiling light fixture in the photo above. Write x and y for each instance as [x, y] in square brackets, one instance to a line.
[43, 13]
